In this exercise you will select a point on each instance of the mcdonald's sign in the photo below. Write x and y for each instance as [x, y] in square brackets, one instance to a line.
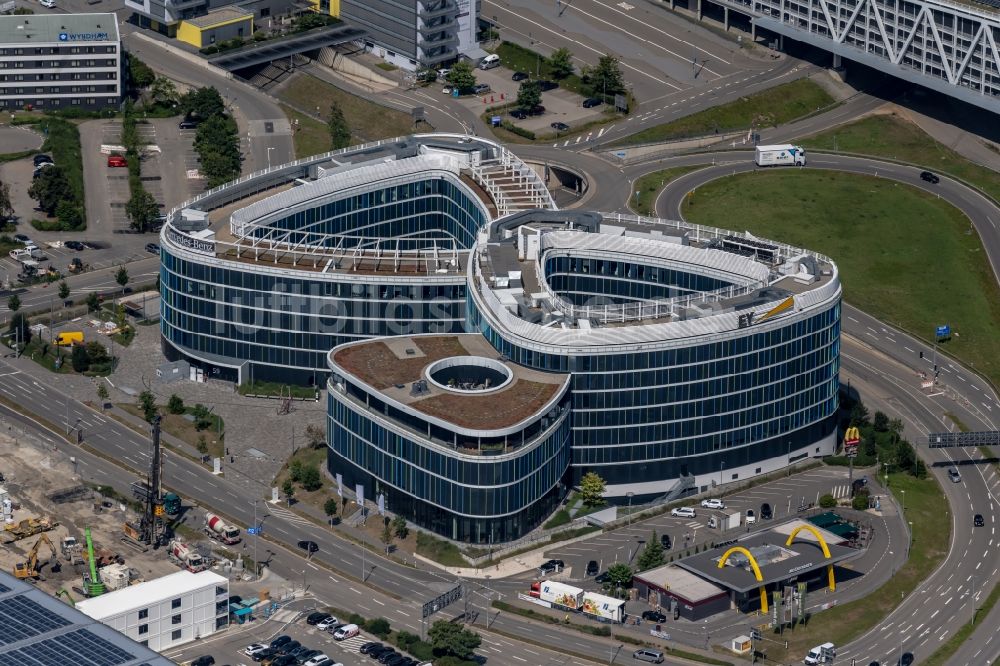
[852, 437]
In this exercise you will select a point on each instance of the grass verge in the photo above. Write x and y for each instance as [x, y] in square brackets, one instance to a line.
[12, 157]
[277, 390]
[883, 242]
[368, 121]
[931, 529]
[649, 187]
[536, 65]
[62, 141]
[768, 108]
[896, 138]
[439, 550]
[184, 430]
[309, 136]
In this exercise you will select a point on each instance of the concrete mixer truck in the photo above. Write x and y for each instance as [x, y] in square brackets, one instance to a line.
[216, 528]
[183, 555]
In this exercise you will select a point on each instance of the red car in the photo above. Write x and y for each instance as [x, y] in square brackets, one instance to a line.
[117, 161]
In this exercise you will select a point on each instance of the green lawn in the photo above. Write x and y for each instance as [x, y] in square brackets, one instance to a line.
[902, 253]
[650, 186]
[520, 59]
[893, 137]
[368, 121]
[926, 510]
[768, 108]
[309, 136]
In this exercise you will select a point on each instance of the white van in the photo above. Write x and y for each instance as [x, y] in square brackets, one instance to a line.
[821, 654]
[345, 632]
[490, 61]
[26, 254]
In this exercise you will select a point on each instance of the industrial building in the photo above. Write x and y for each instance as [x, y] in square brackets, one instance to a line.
[483, 350]
[39, 630]
[56, 61]
[165, 612]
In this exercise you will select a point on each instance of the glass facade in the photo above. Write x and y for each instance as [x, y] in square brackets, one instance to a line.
[282, 323]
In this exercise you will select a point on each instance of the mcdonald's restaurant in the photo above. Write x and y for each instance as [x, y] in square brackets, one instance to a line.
[770, 571]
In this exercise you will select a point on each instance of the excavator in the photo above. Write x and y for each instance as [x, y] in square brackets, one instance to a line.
[31, 568]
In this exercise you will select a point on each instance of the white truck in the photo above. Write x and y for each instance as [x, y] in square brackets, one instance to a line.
[780, 155]
[558, 594]
[216, 528]
[821, 654]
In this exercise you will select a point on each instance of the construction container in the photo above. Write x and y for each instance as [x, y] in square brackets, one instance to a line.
[115, 576]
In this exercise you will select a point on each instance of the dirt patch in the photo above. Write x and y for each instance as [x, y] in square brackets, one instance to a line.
[520, 400]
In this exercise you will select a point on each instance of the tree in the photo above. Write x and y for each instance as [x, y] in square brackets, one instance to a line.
[561, 63]
[461, 76]
[121, 277]
[399, 527]
[315, 436]
[175, 405]
[70, 215]
[147, 403]
[606, 78]
[97, 353]
[79, 359]
[386, 534]
[93, 302]
[19, 329]
[895, 430]
[51, 188]
[142, 210]
[308, 21]
[529, 95]
[14, 303]
[340, 133]
[311, 478]
[164, 91]
[449, 638]
[652, 555]
[288, 489]
[330, 507]
[63, 290]
[102, 394]
[6, 207]
[859, 414]
[860, 501]
[140, 73]
[880, 422]
[620, 575]
[203, 102]
[592, 489]
[827, 501]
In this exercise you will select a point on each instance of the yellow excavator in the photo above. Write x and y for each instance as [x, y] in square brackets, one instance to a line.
[30, 569]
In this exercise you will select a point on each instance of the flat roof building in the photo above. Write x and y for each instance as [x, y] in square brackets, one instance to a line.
[165, 612]
[57, 61]
[40, 630]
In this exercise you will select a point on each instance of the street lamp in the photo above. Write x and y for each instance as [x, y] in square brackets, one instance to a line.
[629, 495]
[270, 148]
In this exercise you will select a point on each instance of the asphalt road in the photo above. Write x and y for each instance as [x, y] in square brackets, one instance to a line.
[887, 363]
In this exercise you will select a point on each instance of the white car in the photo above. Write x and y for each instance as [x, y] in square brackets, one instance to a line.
[327, 623]
[317, 660]
[345, 632]
[254, 648]
[751, 517]
[682, 512]
[47, 3]
[712, 503]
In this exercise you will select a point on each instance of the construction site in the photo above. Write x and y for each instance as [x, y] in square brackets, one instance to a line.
[76, 540]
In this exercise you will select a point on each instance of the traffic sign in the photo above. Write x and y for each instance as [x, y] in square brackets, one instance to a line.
[253, 530]
[943, 331]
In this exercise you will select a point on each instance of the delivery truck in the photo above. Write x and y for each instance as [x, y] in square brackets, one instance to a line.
[780, 155]
[603, 607]
[558, 594]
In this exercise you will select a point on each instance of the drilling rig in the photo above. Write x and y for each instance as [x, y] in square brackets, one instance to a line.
[149, 529]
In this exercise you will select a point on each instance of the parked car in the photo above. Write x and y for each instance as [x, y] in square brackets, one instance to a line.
[929, 177]
[345, 632]
[977, 520]
[317, 617]
[188, 124]
[751, 517]
[592, 568]
[42, 159]
[283, 660]
[547, 85]
[481, 88]
[396, 660]
[21, 238]
[378, 651]
[288, 647]
[654, 616]
[152, 248]
[117, 161]
[666, 541]
[205, 659]
[317, 660]
[591, 102]
[280, 640]
[520, 76]
[307, 655]
[559, 127]
[766, 513]
[602, 578]
[266, 653]
[443, 72]
[367, 647]
[74, 245]
[47, 3]
[682, 512]
[386, 656]
[327, 622]
[713, 503]
[254, 648]
[520, 114]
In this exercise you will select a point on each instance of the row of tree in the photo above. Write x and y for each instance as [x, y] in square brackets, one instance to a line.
[605, 80]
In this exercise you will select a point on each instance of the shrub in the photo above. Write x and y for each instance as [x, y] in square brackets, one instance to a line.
[175, 405]
[379, 626]
[520, 131]
[827, 501]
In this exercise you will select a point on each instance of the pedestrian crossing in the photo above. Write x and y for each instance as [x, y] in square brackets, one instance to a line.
[841, 492]
[290, 516]
[353, 644]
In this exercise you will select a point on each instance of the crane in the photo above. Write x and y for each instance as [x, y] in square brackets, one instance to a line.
[93, 584]
[30, 569]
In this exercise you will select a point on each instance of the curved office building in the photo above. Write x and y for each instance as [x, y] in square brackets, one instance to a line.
[484, 350]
